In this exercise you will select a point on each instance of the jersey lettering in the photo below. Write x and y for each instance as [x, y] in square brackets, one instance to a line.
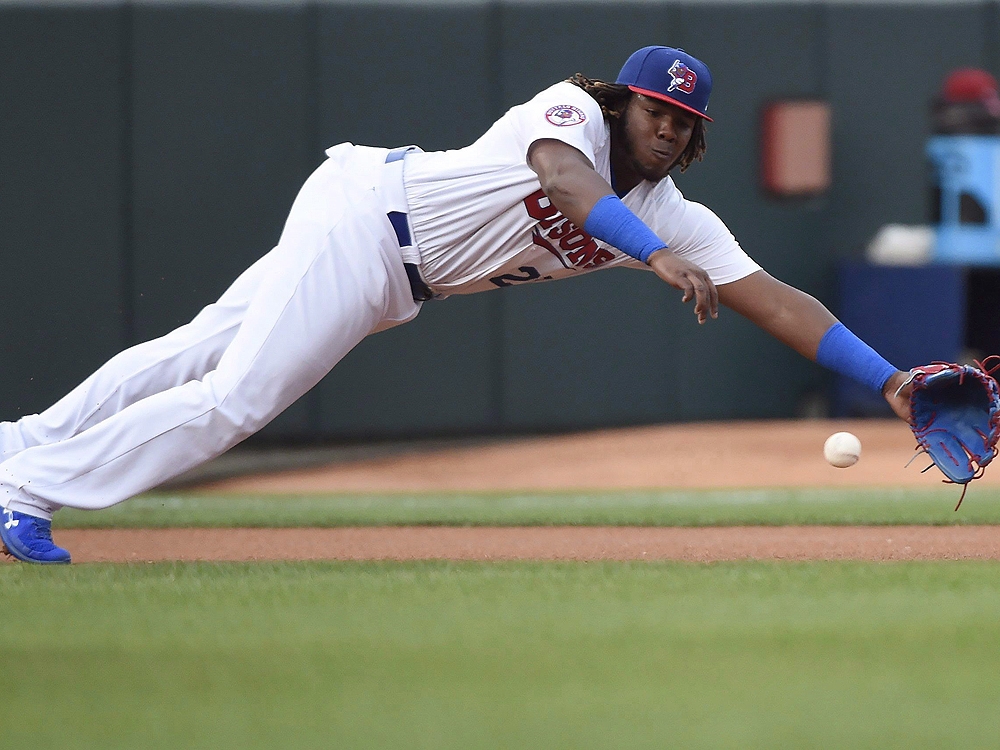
[571, 245]
[541, 209]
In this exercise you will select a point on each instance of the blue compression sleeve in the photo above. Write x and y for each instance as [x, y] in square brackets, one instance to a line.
[843, 352]
[611, 221]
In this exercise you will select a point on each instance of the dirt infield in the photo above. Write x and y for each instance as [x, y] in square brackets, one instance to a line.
[781, 453]
[539, 543]
[692, 456]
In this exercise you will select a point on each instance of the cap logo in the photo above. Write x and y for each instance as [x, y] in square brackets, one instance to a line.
[683, 78]
[564, 115]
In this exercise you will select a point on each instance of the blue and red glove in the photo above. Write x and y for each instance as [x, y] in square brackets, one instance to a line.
[955, 417]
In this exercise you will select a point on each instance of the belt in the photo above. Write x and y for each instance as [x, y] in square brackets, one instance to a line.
[401, 226]
[421, 292]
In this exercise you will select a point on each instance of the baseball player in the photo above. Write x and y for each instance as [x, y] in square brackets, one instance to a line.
[576, 179]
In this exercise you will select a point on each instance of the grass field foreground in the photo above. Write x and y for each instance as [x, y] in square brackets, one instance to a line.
[773, 507]
[438, 655]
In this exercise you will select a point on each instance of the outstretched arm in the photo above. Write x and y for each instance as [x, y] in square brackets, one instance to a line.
[797, 320]
[569, 180]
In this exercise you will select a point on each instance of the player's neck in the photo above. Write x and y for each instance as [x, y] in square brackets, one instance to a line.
[623, 175]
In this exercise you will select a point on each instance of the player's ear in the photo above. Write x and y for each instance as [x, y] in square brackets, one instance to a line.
[696, 147]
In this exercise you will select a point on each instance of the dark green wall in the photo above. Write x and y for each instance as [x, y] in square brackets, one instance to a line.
[395, 77]
[879, 133]
[221, 138]
[62, 195]
[148, 154]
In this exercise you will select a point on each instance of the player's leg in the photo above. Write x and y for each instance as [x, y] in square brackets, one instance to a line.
[185, 354]
[335, 286]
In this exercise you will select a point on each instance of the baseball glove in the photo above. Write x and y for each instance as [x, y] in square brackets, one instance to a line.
[955, 417]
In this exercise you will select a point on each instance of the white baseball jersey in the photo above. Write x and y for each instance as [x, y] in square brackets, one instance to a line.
[481, 220]
[337, 274]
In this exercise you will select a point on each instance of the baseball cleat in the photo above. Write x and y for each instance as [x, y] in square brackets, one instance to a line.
[29, 539]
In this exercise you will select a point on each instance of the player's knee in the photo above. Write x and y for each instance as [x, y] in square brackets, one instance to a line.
[241, 416]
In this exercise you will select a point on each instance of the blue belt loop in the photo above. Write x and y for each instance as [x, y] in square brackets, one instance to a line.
[400, 225]
[398, 153]
[398, 219]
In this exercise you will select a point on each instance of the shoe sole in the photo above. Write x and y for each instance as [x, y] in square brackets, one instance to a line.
[9, 549]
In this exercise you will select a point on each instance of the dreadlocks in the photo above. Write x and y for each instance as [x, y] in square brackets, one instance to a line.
[614, 98]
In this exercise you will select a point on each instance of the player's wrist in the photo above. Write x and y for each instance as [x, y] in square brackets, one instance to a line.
[893, 383]
[660, 254]
[843, 352]
[612, 222]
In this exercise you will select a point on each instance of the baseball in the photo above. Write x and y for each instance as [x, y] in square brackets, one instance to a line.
[842, 449]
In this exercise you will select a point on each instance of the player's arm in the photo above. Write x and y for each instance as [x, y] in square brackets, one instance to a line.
[570, 181]
[804, 324]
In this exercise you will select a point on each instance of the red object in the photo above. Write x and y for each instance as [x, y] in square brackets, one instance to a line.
[795, 147]
[969, 85]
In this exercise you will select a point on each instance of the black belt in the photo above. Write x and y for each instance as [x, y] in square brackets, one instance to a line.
[421, 292]
[401, 226]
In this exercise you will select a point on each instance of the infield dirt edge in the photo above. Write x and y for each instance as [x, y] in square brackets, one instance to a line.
[551, 543]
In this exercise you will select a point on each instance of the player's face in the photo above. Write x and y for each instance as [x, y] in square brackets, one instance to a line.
[655, 134]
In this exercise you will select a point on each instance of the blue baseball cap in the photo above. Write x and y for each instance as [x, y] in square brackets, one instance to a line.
[671, 75]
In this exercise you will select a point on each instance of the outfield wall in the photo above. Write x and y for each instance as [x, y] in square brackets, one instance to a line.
[149, 153]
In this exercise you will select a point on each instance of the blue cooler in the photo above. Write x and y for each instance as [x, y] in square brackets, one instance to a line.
[967, 172]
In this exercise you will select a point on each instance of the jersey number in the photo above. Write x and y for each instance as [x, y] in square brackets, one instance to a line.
[509, 279]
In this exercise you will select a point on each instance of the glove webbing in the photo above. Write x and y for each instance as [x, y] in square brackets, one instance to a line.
[994, 422]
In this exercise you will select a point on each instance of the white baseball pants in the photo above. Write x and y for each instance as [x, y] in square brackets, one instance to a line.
[165, 406]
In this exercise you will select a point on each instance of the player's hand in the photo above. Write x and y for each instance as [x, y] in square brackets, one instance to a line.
[690, 279]
[900, 403]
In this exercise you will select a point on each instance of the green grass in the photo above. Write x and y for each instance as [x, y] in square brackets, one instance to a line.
[654, 508]
[531, 655]
[437, 655]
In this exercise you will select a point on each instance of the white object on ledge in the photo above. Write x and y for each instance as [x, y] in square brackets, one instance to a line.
[901, 245]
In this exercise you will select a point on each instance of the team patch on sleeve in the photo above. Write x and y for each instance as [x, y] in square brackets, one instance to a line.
[564, 115]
